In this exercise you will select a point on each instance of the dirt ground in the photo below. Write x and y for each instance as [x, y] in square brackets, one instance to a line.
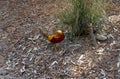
[26, 54]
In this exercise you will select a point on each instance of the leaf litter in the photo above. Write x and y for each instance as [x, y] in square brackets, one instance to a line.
[30, 56]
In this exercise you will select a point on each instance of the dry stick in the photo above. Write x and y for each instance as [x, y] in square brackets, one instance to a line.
[92, 36]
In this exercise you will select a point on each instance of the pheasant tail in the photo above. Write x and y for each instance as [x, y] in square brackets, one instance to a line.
[43, 33]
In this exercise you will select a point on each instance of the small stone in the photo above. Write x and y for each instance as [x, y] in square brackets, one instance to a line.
[114, 18]
[36, 37]
[101, 37]
[110, 36]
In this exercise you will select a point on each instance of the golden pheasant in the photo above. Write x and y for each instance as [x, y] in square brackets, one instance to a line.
[57, 37]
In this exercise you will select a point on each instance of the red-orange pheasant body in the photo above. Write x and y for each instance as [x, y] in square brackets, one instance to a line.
[57, 37]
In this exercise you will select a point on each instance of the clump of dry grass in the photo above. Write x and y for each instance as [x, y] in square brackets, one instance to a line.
[80, 13]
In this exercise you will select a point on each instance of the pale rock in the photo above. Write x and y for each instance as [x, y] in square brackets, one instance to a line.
[101, 37]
